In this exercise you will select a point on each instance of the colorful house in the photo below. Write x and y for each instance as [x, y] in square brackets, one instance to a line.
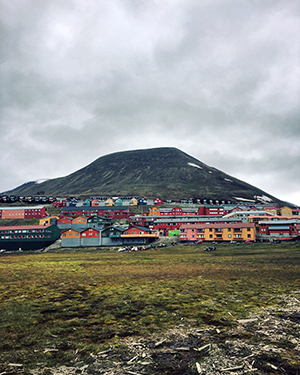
[285, 211]
[23, 212]
[70, 238]
[214, 210]
[109, 202]
[296, 211]
[64, 222]
[256, 219]
[279, 229]
[49, 220]
[99, 222]
[166, 224]
[141, 221]
[108, 212]
[111, 236]
[139, 235]
[118, 202]
[158, 201]
[244, 215]
[217, 232]
[94, 203]
[142, 201]
[90, 237]
[28, 237]
[83, 222]
[133, 202]
[271, 209]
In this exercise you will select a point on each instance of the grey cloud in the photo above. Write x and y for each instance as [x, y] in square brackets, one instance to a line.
[218, 79]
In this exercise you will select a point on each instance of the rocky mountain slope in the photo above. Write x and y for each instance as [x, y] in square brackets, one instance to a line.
[164, 172]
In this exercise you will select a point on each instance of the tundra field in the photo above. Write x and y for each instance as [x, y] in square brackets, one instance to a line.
[174, 310]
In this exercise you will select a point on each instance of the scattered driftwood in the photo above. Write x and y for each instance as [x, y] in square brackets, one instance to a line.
[203, 348]
[255, 344]
[198, 367]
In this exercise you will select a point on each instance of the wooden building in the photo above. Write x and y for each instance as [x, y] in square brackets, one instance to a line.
[217, 232]
[28, 237]
[23, 212]
[104, 211]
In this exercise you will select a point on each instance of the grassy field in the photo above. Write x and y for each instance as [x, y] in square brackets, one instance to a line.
[62, 306]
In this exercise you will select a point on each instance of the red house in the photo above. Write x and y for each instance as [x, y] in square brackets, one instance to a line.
[64, 221]
[158, 202]
[23, 212]
[104, 211]
[279, 229]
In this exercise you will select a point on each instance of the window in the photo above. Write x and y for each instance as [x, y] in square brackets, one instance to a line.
[210, 236]
[229, 235]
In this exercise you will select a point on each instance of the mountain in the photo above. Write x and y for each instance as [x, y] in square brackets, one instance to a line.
[165, 172]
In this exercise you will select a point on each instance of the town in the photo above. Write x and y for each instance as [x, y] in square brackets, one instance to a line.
[111, 221]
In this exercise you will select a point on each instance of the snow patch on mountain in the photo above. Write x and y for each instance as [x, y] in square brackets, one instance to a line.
[194, 165]
[41, 181]
[244, 199]
[263, 198]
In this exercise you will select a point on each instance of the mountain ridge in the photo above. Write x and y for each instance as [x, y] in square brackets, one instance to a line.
[166, 172]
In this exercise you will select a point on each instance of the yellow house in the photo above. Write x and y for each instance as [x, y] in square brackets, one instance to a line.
[133, 202]
[109, 202]
[285, 211]
[271, 209]
[218, 232]
[46, 220]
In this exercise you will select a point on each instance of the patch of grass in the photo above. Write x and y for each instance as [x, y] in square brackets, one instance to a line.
[55, 307]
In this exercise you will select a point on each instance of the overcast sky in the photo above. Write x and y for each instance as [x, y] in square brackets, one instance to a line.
[218, 79]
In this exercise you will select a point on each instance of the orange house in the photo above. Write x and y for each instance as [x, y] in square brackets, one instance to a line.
[70, 237]
[138, 235]
[79, 220]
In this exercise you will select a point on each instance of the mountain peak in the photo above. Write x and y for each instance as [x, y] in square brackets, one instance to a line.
[166, 172]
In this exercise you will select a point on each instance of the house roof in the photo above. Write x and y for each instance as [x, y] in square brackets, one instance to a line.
[23, 227]
[221, 225]
[95, 208]
[276, 222]
[275, 217]
[113, 227]
[194, 218]
[141, 228]
[22, 208]
[248, 213]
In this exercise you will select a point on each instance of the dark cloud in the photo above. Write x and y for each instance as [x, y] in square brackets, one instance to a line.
[218, 79]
